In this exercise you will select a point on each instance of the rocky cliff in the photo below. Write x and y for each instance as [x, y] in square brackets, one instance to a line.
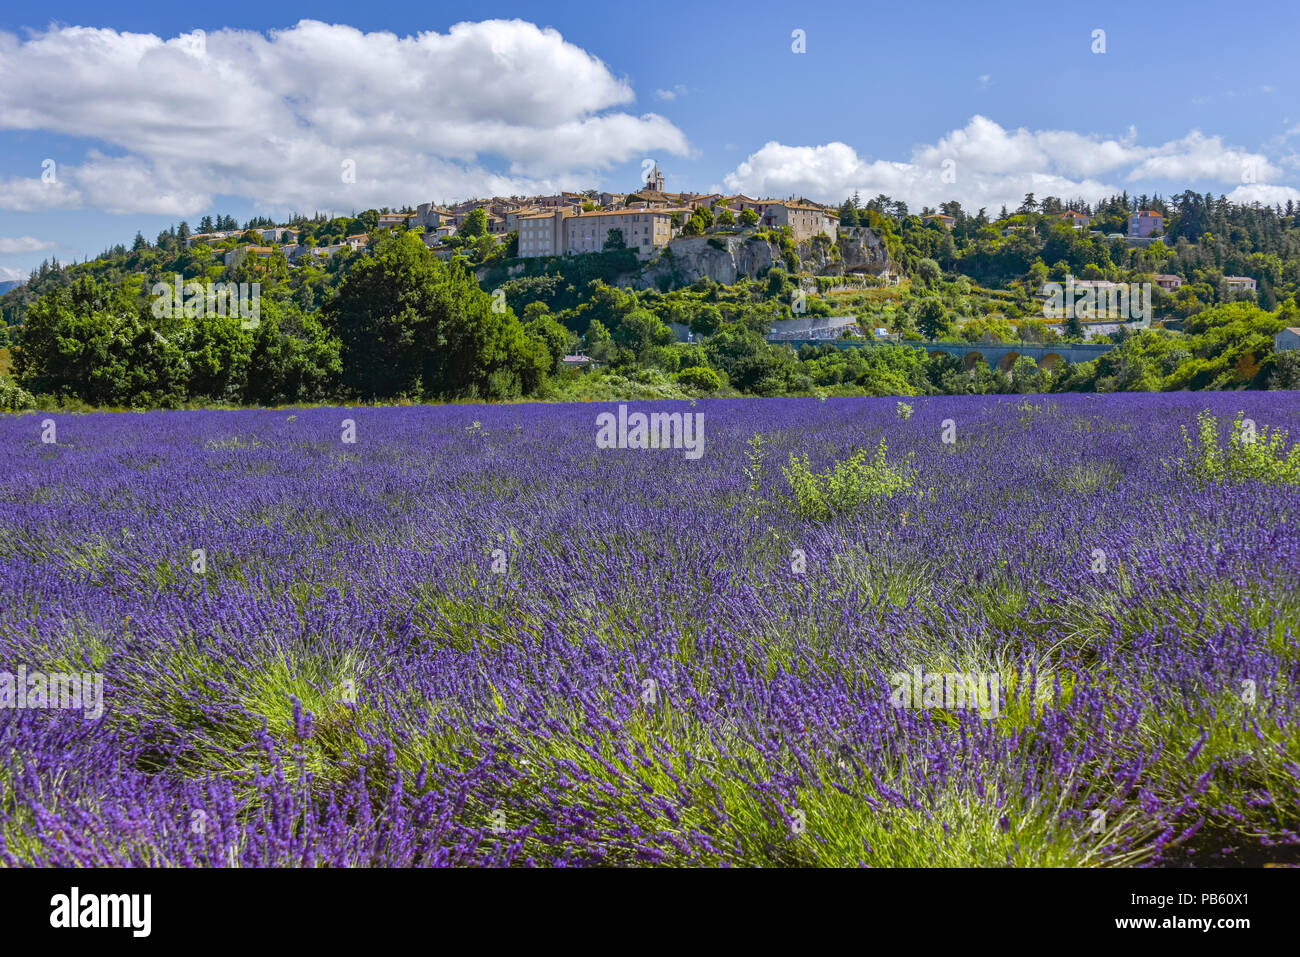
[726, 258]
[723, 259]
[862, 251]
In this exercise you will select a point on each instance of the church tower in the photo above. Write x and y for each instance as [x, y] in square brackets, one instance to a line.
[655, 180]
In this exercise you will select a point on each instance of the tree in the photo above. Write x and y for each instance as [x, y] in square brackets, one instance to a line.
[1286, 370]
[748, 218]
[931, 319]
[90, 341]
[726, 217]
[557, 339]
[641, 331]
[475, 225]
[614, 239]
[216, 349]
[293, 358]
[928, 271]
[750, 363]
[598, 343]
[1025, 375]
[408, 323]
[707, 320]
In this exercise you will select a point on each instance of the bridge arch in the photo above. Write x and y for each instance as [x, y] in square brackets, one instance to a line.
[1008, 360]
[973, 358]
[1051, 361]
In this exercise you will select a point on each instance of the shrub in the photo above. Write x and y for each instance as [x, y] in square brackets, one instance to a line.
[903, 410]
[1249, 454]
[846, 486]
[13, 397]
[700, 377]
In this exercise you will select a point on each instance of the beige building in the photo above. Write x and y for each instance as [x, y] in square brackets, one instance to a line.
[542, 233]
[804, 219]
[561, 232]
[388, 220]
[645, 230]
[240, 253]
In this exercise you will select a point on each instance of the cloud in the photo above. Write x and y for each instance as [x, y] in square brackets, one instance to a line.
[674, 93]
[1264, 194]
[985, 165]
[1197, 157]
[500, 106]
[24, 244]
[8, 273]
[985, 81]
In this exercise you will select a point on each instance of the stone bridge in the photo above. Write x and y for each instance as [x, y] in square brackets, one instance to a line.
[998, 355]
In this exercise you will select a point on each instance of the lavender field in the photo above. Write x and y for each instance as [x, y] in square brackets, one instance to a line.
[473, 637]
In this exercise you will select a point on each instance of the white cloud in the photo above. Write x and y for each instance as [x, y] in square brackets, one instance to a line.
[1198, 157]
[8, 273]
[492, 107]
[985, 81]
[24, 244]
[984, 165]
[674, 93]
[1266, 195]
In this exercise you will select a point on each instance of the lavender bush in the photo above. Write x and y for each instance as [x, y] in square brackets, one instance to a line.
[471, 637]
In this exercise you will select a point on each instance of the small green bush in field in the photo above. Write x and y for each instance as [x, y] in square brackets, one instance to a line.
[1249, 453]
[903, 410]
[699, 377]
[846, 486]
[13, 397]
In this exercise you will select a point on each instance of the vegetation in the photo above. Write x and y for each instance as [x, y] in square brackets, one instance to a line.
[1250, 454]
[396, 321]
[860, 482]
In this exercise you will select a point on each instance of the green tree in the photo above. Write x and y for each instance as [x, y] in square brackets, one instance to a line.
[293, 358]
[928, 271]
[557, 339]
[598, 342]
[90, 341]
[931, 317]
[641, 331]
[475, 225]
[408, 322]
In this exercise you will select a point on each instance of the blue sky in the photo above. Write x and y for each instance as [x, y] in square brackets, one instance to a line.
[148, 122]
